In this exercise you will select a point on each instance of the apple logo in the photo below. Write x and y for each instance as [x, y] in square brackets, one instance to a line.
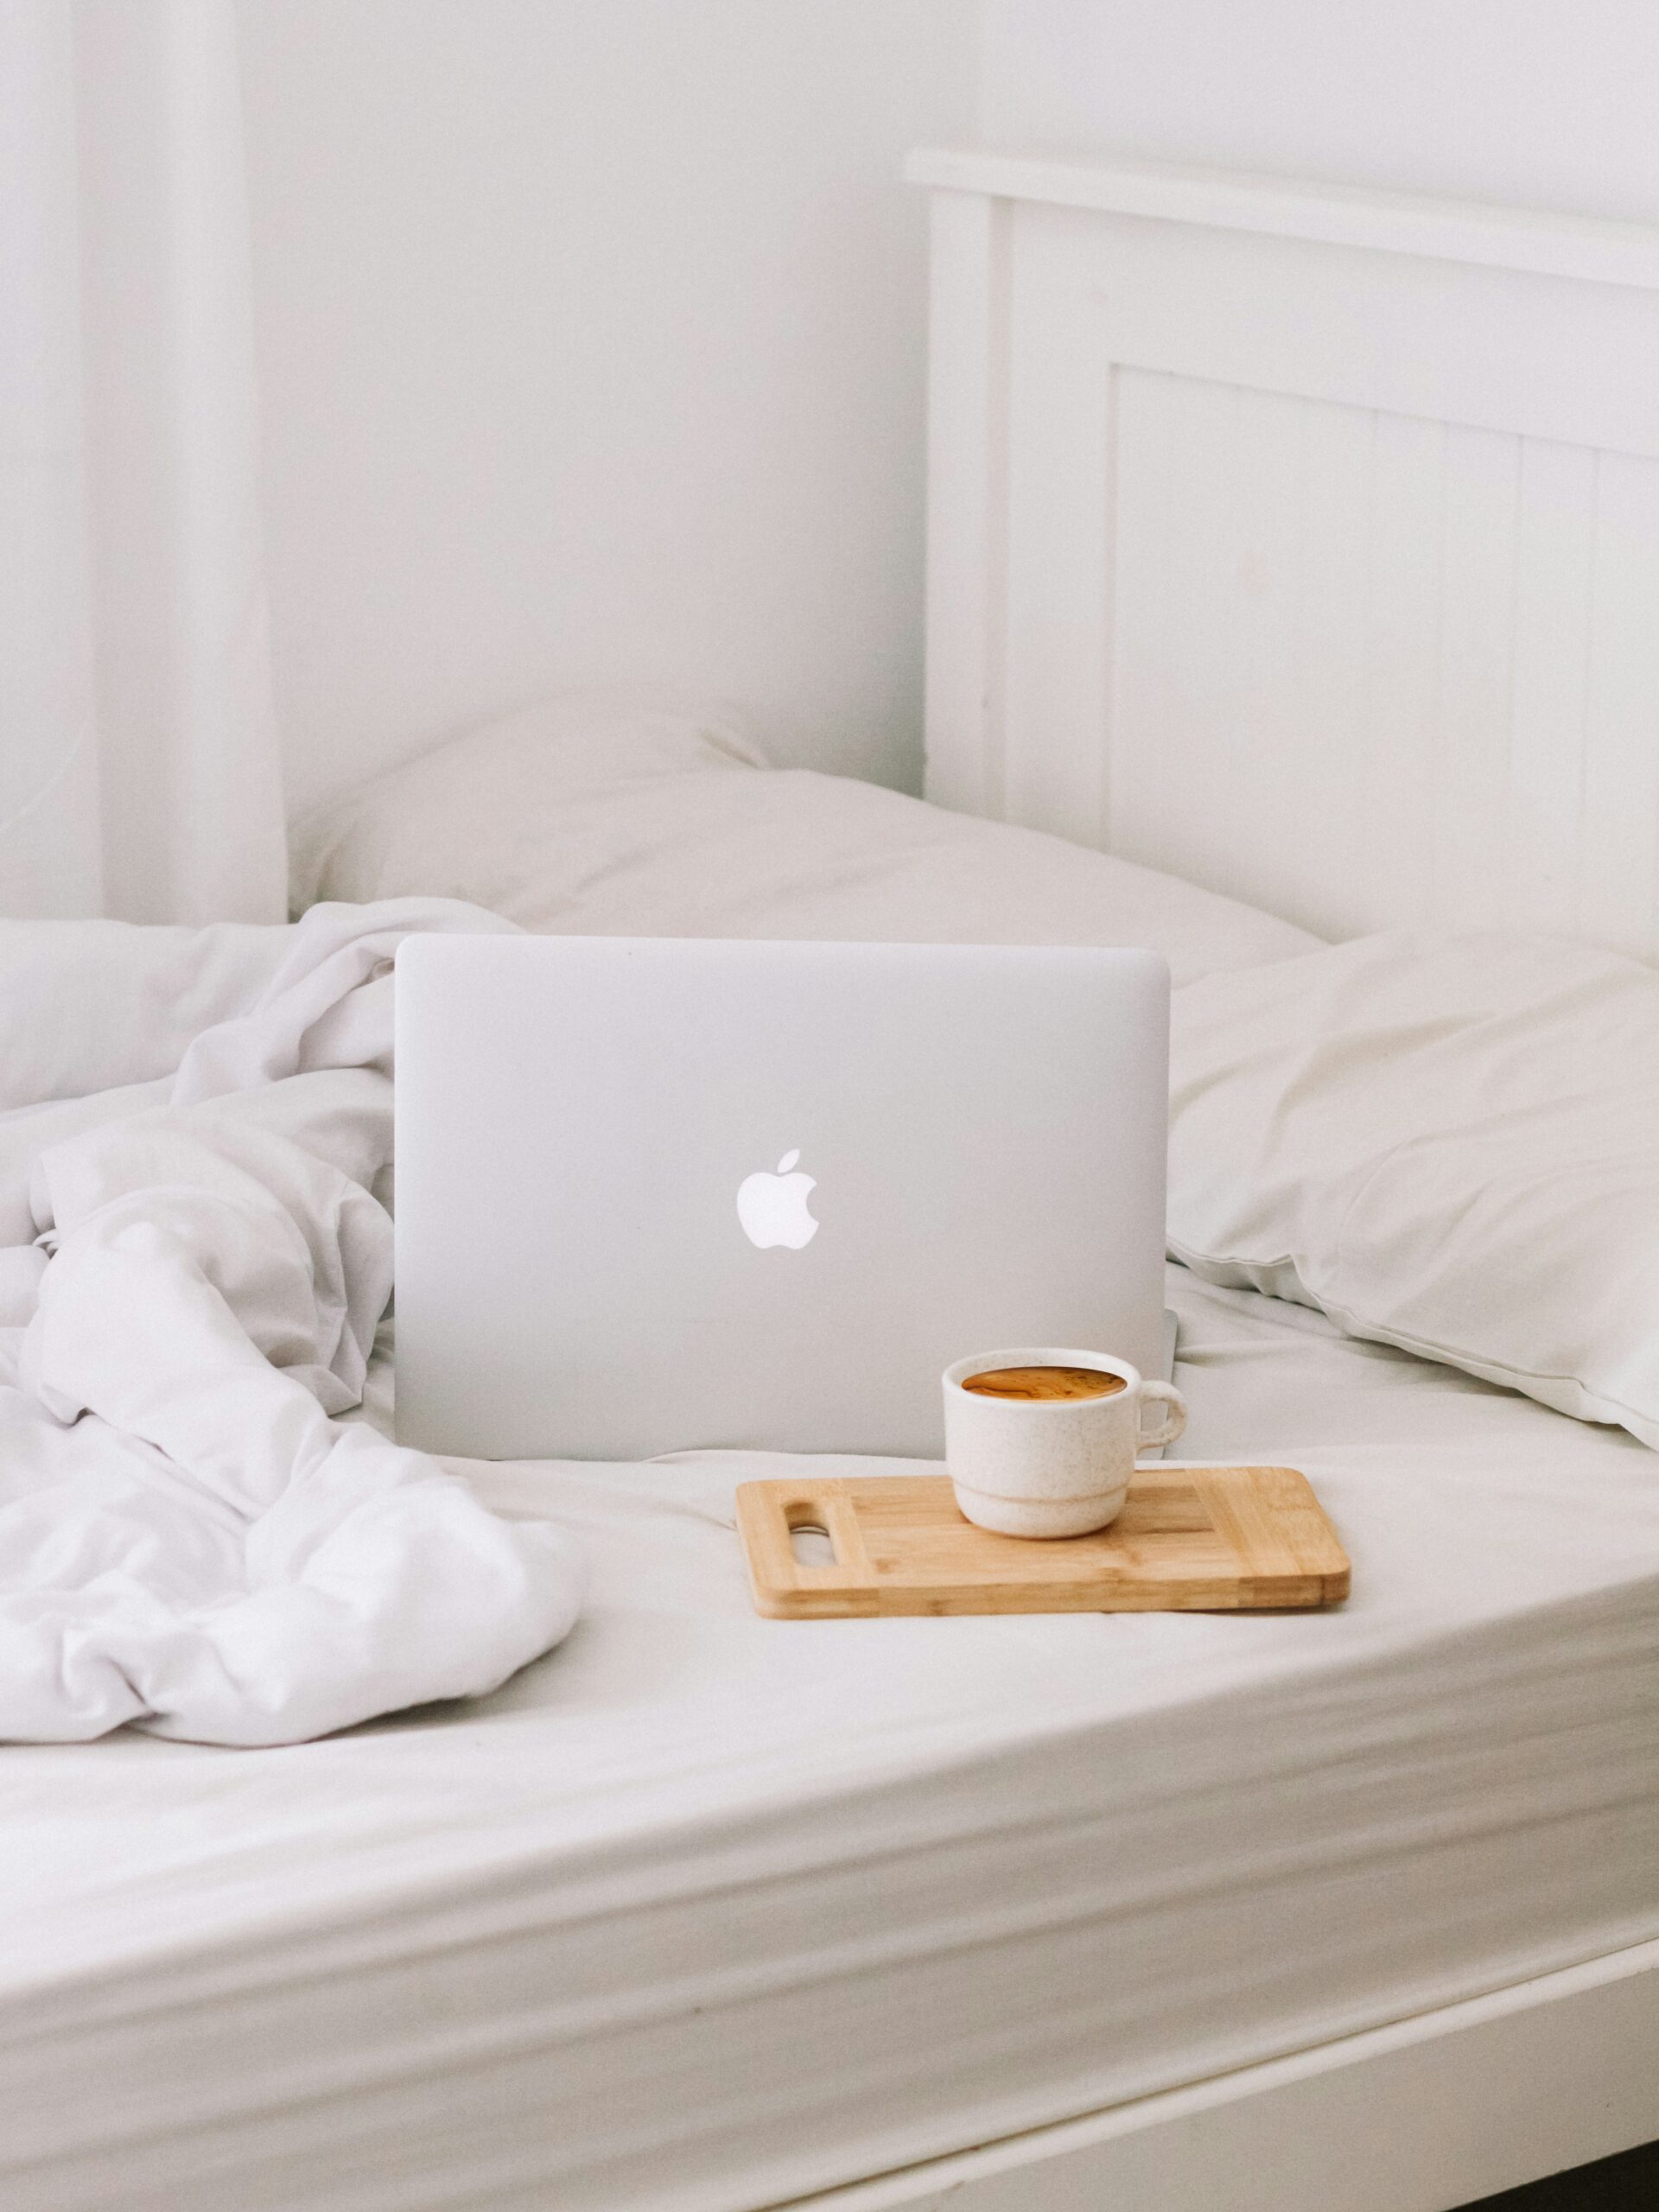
[773, 1208]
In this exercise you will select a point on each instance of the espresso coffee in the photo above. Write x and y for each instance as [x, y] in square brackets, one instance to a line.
[1036, 1384]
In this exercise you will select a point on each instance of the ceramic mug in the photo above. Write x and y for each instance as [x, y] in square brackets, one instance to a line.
[1050, 1466]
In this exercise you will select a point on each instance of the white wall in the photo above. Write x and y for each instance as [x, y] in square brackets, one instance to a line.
[591, 349]
[1550, 103]
[591, 332]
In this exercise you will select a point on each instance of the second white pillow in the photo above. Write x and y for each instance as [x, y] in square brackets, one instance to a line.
[1447, 1144]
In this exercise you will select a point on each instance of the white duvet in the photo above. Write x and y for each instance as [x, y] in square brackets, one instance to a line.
[192, 1263]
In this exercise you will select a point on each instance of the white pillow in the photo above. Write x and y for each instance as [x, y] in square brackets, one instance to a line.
[473, 808]
[1451, 1145]
[628, 832]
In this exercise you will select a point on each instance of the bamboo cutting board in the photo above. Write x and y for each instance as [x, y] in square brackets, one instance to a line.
[1188, 1539]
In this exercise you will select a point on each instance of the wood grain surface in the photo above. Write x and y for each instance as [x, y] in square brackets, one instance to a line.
[1188, 1539]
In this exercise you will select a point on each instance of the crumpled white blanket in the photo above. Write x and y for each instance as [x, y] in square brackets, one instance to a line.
[192, 1263]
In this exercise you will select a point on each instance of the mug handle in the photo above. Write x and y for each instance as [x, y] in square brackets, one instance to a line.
[1174, 1420]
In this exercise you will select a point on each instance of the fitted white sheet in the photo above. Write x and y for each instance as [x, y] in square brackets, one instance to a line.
[709, 1911]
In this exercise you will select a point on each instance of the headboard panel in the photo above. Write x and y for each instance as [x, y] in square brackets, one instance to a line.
[1303, 543]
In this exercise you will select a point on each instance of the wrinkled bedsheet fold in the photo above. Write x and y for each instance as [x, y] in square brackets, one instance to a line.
[194, 1255]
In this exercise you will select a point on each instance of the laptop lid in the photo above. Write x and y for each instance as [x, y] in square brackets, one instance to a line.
[660, 1193]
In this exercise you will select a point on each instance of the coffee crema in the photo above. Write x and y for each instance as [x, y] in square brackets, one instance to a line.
[1044, 1384]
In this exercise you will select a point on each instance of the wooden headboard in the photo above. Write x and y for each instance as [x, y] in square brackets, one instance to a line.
[1302, 541]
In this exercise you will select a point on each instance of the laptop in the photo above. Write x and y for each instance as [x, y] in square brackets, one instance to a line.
[659, 1193]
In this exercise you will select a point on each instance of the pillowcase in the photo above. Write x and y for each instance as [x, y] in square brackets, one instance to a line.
[472, 807]
[628, 832]
[1447, 1144]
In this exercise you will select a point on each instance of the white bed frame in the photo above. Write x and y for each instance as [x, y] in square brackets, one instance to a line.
[1306, 543]
[1431, 2113]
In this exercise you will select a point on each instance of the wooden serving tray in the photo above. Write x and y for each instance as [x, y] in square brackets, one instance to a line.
[1188, 1539]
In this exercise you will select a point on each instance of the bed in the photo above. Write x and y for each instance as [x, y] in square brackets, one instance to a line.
[1350, 1913]
[708, 1911]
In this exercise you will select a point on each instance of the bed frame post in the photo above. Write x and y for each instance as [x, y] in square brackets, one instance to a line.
[967, 502]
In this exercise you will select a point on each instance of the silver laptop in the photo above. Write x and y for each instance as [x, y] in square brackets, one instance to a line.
[655, 1194]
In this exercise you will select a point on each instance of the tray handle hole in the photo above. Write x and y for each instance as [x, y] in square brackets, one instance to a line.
[811, 1542]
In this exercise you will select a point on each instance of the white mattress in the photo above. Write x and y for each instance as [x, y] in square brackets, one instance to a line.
[709, 1912]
